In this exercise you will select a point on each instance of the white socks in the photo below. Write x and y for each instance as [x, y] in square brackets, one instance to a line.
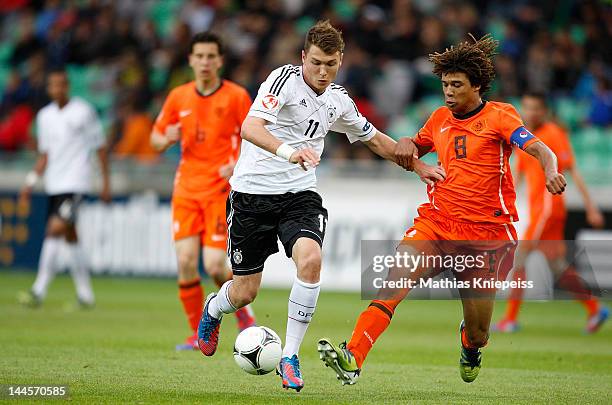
[80, 273]
[77, 262]
[221, 304]
[302, 304]
[46, 266]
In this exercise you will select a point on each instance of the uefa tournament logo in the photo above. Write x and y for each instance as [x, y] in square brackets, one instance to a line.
[269, 102]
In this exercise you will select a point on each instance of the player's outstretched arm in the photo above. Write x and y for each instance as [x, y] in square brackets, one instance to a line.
[593, 214]
[32, 178]
[383, 146]
[254, 131]
[405, 154]
[555, 182]
[105, 194]
[407, 151]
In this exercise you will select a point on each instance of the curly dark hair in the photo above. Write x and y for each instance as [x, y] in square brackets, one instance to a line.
[475, 59]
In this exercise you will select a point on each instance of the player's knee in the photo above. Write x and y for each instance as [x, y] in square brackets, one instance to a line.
[54, 233]
[187, 262]
[56, 229]
[309, 267]
[217, 269]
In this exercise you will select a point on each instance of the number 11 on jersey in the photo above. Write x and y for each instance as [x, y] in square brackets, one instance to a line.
[310, 125]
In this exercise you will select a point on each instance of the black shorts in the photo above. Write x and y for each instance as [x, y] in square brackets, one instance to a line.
[64, 206]
[255, 221]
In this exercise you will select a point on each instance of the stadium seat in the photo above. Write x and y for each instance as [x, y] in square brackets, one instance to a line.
[6, 50]
[4, 74]
[164, 14]
[572, 112]
[158, 77]
[592, 148]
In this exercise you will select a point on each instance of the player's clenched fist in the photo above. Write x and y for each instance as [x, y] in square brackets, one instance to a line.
[173, 133]
[555, 183]
[305, 158]
[406, 153]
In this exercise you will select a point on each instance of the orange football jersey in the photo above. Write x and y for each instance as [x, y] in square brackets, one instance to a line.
[557, 140]
[210, 135]
[475, 150]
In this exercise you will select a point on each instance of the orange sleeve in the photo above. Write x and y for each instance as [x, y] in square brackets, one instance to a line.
[424, 137]
[512, 129]
[168, 114]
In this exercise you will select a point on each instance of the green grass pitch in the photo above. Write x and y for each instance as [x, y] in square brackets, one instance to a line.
[123, 351]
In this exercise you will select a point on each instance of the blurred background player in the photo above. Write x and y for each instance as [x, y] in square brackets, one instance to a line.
[547, 216]
[473, 205]
[274, 188]
[206, 116]
[68, 131]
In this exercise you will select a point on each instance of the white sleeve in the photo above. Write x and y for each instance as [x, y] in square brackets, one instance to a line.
[94, 128]
[273, 93]
[42, 134]
[352, 123]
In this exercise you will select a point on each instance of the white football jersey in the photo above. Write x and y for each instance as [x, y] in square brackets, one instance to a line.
[68, 136]
[299, 117]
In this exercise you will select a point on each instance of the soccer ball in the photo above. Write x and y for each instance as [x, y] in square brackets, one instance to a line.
[257, 350]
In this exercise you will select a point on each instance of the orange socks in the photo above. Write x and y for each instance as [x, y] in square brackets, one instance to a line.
[513, 309]
[465, 342]
[191, 294]
[371, 324]
[591, 305]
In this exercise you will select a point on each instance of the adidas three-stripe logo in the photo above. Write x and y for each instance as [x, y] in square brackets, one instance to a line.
[281, 79]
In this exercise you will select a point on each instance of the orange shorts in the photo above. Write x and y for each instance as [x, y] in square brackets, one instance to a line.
[547, 235]
[493, 243]
[205, 218]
